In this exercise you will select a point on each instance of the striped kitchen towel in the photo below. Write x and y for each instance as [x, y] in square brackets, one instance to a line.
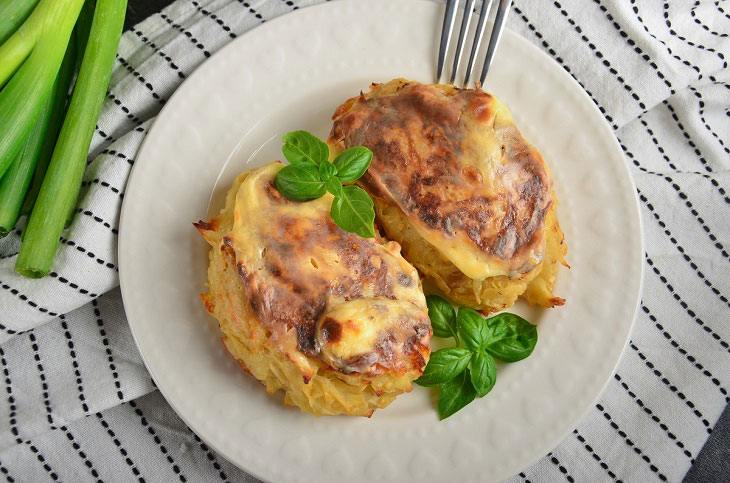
[78, 404]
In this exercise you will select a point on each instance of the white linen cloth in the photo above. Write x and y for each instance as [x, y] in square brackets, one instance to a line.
[78, 404]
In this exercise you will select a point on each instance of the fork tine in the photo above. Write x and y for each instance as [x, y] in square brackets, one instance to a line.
[497, 29]
[481, 25]
[465, 21]
[449, 17]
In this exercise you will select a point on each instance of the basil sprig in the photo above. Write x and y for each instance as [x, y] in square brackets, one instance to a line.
[443, 317]
[310, 175]
[468, 370]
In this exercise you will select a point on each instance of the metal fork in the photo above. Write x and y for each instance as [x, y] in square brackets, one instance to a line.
[446, 34]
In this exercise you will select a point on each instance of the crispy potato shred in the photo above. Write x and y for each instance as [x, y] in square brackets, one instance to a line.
[455, 183]
[316, 374]
[467, 201]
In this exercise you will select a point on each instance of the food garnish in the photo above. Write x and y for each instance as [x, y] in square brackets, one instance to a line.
[310, 175]
[468, 370]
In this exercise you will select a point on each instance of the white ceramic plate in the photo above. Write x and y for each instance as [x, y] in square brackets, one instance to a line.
[290, 74]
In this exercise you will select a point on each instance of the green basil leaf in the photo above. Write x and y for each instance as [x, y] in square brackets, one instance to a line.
[483, 372]
[352, 163]
[455, 394]
[443, 317]
[333, 185]
[304, 147]
[327, 170]
[512, 338]
[444, 365]
[299, 182]
[353, 211]
[472, 328]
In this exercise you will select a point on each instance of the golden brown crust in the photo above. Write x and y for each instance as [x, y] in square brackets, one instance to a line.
[299, 267]
[453, 181]
[294, 304]
[430, 161]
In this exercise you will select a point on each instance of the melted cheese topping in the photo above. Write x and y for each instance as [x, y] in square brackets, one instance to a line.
[456, 166]
[326, 294]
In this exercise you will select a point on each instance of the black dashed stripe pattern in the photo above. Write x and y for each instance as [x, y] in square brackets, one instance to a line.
[65, 281]
[77, 447]
[159, 52]
[701, 103]
[127, 112]
[141, 79]
[42, 375]
[720, 55]
[643, 25]
[108, 350]
[252, 10]
[696, 150]
[187, 34]
[654, 418]
[669, 117]
[213, 460]
[683, 195]
[215, 18]
[158, 442]
[104, 184]
[8, 477]
[27, 300]
[122, 450]
[692, 360]
[600, 56]
[14, 422]
[112, 152]
[97, 219]
[681, 250]
[89, 254]
[560, 61]
[635, 47]
[696, 19]
[630, 443]
[560, 467]
[720, 9]
[672, 388]
[75, 365]
[686, 307]
[598, 459]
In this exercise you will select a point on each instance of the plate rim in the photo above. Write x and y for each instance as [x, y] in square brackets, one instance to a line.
[566, 77]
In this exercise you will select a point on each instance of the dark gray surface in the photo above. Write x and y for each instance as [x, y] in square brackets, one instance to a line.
[712, 464]
[138, 10]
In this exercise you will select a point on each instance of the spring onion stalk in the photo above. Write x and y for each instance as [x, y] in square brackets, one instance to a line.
[65, 76]
[17, 178]
[63, 178]
[19, 45]
[12, 15]
[23, 97]
[83, 26]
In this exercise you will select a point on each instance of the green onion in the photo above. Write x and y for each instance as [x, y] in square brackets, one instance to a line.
[17, 48]
[63, 178]
[12, 14]
[65, 76]
[83, 26]
[16, 180]
[23, 97]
